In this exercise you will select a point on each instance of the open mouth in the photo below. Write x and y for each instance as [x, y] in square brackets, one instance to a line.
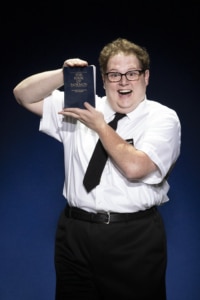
[124, 92]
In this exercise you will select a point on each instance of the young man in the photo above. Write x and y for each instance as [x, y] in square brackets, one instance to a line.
[110, 240]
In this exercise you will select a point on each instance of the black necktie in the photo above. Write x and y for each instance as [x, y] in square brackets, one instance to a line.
[98, 160]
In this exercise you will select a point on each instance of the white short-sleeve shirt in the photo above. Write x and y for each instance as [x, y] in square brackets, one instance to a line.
[152, 127]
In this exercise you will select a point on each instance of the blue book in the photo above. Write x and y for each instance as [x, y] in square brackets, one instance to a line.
[79, 86]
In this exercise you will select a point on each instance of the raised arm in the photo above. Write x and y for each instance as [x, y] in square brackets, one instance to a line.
[31, 91]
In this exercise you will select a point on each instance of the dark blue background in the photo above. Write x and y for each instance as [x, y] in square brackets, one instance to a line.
[38, 37]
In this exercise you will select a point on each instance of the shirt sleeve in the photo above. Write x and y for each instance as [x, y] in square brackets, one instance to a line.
[51, 121]
[161, 142]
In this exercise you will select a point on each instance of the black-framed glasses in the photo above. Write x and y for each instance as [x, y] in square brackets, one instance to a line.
[130, 75]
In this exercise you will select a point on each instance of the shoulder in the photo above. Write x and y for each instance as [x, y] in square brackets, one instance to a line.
[161, 110]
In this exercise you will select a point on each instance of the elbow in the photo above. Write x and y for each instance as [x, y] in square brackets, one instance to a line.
[18, 94]
[140, 167]
[138, 171]
[133, 172]
[15, 93]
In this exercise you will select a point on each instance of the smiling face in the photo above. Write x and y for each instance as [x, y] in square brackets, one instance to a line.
[125, 95]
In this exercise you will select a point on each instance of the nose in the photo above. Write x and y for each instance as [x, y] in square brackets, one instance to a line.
[123, 79]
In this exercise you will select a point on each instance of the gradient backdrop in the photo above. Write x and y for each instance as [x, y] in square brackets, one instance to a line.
[39, 36]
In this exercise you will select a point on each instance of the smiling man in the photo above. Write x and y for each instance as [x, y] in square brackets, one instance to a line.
[110, 239]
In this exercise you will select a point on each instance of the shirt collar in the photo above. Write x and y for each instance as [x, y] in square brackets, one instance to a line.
[109, 112]
[139, 110]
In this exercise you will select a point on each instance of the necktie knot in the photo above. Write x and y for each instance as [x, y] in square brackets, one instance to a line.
[117, 117]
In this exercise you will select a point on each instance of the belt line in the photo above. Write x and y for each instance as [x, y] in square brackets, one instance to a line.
[106, 217]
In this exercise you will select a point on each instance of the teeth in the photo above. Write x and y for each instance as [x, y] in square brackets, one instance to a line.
[124, 91]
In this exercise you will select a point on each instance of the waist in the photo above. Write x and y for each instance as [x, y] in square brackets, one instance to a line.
[106, 217]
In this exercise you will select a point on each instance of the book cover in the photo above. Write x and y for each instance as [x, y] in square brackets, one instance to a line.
[79, 86]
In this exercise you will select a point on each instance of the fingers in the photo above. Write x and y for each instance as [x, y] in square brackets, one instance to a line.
[75, 62]
[71, 111]
[88, 106]
[83, 115]
[78, 111]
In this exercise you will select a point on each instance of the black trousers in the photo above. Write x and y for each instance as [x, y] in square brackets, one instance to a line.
[125, 260]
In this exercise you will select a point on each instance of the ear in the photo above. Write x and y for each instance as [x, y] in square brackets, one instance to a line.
[103, 79]
[146, 76]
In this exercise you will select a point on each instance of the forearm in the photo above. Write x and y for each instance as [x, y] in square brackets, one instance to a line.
[36, 87]
[133, 164]
[31, 91]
